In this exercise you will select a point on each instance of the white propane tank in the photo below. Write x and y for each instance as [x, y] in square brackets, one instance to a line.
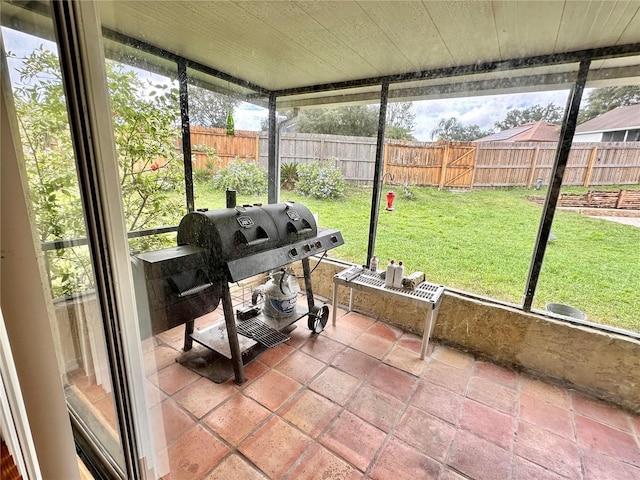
[279, 297]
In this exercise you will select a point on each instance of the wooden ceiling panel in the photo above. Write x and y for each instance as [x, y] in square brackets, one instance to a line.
[287, 44]
[467, 28]
[249, 43]
[594, 24]
[631, 33]
[423, 47]
[305, 33]
[526, 29]
[348, 22]
[221, 35]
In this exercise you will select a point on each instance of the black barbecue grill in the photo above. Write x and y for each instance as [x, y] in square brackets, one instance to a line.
[176, 285]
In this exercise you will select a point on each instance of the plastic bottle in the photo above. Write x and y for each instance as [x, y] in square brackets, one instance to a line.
[398, 275]
[391, 271]
[373, 264]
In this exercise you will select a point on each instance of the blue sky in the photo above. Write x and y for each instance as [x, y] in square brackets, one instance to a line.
[482, 111]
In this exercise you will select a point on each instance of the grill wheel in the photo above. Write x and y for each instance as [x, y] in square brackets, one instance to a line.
[317, 319]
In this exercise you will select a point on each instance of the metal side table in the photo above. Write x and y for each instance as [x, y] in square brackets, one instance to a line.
[361, 279]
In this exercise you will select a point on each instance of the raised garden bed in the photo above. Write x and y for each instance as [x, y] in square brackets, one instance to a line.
[624, 199]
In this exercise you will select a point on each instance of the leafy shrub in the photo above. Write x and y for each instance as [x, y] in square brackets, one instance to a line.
[320, 180]
[202, 175]
[288, 175]
[407, 192]
[205, 174]
[244, 176]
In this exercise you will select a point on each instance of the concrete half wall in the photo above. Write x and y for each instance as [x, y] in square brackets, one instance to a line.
[604, 365]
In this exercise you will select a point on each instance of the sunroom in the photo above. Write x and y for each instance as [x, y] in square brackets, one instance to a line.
[108, 114]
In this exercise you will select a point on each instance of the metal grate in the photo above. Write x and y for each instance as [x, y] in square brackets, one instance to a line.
[426, 291]
[261, 332]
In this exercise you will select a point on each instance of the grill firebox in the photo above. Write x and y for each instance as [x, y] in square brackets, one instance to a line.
[216, 247]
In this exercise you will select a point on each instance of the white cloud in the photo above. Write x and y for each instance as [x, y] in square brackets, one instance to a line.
[483, 111]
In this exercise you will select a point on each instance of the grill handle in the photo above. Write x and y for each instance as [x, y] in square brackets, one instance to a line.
[302, 231]
[194, 290]
[182, 284]
[263, 237]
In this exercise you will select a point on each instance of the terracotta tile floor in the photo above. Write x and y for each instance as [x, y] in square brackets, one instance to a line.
[357, 402]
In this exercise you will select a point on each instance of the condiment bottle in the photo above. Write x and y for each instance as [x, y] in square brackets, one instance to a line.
[391, 271]
[398, 275]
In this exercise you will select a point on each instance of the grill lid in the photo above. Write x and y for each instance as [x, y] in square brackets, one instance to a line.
[233, 233]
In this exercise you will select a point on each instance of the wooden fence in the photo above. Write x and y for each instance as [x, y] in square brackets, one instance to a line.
[502, 164]
[355, 156]
[439, 164]
[244, 144]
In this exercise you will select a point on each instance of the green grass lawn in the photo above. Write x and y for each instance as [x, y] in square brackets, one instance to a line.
[482, 241]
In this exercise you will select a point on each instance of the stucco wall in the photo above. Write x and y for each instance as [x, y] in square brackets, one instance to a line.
[601, 364]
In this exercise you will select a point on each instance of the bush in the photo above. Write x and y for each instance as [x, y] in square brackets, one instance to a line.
[202, 175]
[288, 175]
[244, 176]
[407, 193]
[320, 180]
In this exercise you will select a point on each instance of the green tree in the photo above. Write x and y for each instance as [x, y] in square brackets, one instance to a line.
[209, 109]
[358, 120]
[145, 129]
[601, 100]
[401, 121]
[452, 130]
[536, 113]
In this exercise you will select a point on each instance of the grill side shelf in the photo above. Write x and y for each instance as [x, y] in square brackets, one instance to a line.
[245, 267]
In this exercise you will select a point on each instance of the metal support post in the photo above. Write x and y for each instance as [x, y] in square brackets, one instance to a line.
[377, 176]
[569, 123]
[186, 133]
[273, 169]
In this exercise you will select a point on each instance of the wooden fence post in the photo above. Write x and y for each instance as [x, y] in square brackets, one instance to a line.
[257, 147]
[534, 165]
[475, 161]
[443, 169]
[592, 161]
[385, 159]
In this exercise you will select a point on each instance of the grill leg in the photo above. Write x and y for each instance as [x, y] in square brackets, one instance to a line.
[188, 330]
[232, 333]
[307, 283]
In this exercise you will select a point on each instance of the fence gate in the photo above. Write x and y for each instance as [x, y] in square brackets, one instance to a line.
[457, 165]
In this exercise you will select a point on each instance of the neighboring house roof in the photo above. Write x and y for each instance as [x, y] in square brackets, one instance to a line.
[529, 132]
[621, 118]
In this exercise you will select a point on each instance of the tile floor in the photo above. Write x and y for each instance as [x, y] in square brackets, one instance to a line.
[357, 402]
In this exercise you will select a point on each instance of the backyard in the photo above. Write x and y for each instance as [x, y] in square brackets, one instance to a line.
[481, 241]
